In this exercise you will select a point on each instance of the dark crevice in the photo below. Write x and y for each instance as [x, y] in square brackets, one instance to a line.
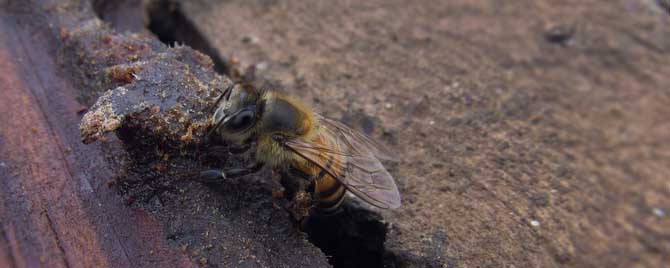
[171, 26]
[354, 237]
[664, 4]
[124, 16]
[164, 18]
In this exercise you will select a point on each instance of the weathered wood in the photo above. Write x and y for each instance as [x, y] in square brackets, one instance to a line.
[57, 209]
[533, 133]
[61, 205]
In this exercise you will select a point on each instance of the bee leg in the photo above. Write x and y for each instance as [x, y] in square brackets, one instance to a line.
[218, 175]
[213, 152]
[225, 150]
[211, 176]
[239, 149]
[244, 147]
[238, 172]
[296, 173]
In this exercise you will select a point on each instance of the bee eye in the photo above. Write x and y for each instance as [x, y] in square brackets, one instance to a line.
[241, 121]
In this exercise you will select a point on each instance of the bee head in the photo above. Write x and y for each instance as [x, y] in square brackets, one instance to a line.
[236, 111]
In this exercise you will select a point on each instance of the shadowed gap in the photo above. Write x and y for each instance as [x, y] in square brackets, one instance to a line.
[168, 23]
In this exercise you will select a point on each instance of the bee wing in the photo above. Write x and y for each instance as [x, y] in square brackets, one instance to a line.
[356, 168]
[355, 139]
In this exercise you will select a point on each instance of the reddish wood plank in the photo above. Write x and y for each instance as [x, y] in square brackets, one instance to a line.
[57, 210]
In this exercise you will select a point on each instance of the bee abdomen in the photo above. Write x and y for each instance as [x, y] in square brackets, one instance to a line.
[329, 193]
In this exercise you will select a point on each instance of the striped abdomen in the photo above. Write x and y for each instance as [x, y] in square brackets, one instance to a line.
[329, 192]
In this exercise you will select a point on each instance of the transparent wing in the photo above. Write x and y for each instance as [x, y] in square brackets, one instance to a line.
[355, 139]
[357, 168]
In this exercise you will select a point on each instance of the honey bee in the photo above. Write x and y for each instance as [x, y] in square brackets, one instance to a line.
[289, 135]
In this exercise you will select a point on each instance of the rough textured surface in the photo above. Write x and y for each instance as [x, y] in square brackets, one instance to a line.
[533, 133]
[120, 202]
[56, 209]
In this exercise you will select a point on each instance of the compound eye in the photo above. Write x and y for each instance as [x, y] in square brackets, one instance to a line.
[241, 121]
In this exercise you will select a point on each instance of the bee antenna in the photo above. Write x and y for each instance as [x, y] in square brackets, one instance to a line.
[218, 100]
[216, 104]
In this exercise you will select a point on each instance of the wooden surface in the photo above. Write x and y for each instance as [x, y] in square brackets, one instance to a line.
[57, 210]
[532, 133]
[62, 202]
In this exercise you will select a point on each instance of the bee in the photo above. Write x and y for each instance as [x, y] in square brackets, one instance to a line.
[290, 136]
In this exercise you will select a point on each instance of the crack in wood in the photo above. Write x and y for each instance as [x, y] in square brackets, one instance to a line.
[57, 238]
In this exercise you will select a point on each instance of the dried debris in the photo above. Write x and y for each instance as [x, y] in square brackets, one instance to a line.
[166, 103]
